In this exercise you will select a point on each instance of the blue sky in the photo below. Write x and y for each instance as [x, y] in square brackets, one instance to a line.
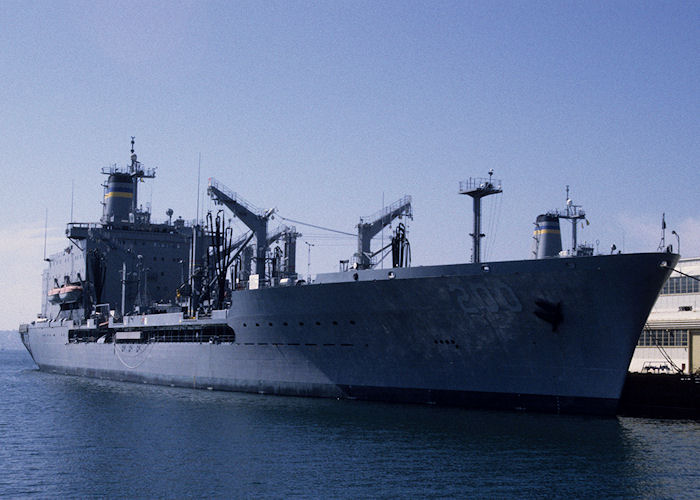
[323, 109]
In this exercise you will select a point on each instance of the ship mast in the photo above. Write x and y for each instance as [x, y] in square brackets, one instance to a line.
[478, 188]
[574, 213]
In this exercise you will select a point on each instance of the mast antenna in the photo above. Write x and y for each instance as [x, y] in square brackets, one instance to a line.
[46, 224]
[662, 243]
[308, 262]
[132, 144]
[574, 213]
[199, 170]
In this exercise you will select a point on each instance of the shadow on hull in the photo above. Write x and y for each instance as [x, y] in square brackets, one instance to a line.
[461, 399]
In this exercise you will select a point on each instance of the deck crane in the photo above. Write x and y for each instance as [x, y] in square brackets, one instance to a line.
[370, 226]
[254, 218]
[289, 236]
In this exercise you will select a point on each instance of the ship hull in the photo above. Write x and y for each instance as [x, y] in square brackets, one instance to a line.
[550, 335]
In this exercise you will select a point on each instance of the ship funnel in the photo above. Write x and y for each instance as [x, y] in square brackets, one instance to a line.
[119, 197]
[547, 236]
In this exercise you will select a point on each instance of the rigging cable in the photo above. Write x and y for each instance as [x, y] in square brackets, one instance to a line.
[686, 275]
[317, 227]
[665, 354]
[493, 206]
[655, 336]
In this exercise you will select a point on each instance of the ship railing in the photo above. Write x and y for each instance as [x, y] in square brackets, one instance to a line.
[113, 169]
[474, 183]
[215, 184]
[571, 212]
[149, 173]
[173, 336]
[154, 222]
[406, 200]
[172, 222]
[141, 171]
[85, 225]
[170, 337]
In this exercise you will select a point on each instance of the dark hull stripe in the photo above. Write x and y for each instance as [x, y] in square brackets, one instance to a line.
[464, 399]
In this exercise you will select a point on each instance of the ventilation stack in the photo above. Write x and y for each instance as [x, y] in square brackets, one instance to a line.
[547, 236]
[119, 197]
[121, 192]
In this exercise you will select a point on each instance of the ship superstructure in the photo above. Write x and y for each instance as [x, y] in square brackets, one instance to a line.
[125, 263]
[191, 304]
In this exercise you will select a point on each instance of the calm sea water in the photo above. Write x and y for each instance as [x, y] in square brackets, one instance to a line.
[73, 437]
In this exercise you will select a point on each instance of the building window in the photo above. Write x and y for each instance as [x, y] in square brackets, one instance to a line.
[663, 338]
[681, 284]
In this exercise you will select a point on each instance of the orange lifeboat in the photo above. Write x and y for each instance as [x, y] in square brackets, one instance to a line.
[65, 294]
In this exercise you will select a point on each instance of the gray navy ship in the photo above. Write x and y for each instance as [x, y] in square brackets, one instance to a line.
[190, 304]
